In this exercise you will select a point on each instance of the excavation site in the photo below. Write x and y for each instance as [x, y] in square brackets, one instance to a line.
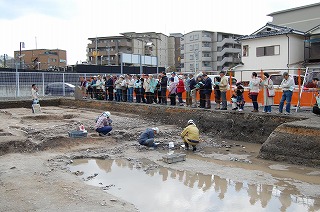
[244, 161]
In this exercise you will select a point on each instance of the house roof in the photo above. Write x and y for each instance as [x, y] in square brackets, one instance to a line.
[271, 30]
[293, 9]
[313, 29]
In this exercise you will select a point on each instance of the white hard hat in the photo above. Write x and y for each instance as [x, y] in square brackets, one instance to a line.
[156, 129]
[191, 122]
[107, 114]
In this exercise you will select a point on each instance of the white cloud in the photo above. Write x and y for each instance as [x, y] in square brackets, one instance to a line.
[68, 24]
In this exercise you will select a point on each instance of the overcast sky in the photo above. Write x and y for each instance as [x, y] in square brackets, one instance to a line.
[67, 24]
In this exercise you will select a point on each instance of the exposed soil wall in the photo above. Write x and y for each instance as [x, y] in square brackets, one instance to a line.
[297, 142]
[27, 103]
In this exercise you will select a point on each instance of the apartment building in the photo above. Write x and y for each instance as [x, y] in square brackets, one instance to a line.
[209, 51]
[41, 59]
[107, 50]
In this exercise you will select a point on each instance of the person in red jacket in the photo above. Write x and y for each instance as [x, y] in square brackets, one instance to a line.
[180, 89]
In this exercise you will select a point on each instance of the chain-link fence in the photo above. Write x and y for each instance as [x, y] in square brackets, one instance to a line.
[18, 84]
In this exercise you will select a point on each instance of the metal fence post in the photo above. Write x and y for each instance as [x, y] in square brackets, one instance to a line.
[43, 84]
[18, 85]
[63, 86]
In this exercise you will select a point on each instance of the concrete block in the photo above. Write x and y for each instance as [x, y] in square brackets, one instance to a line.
[174, 158]
[77, 134]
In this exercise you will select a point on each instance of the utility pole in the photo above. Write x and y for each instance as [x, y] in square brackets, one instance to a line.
[4, 60]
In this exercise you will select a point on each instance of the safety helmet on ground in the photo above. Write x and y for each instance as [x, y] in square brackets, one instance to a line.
[191, 122]
[107, 114]
[156, 129]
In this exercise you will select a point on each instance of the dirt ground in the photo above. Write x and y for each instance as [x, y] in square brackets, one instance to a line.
[35, 150]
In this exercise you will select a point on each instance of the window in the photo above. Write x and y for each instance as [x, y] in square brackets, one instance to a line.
[196, 37]
[245, 51]
[181, 56]
[206, 44]
[191, 47]
[268, 51]
[206, 35]
[191, 56]
[206, 64]
[206, 54]
[191, 37]
[196, 46]
[182, 47]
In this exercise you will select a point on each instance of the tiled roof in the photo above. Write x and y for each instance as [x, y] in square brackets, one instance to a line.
[271, 30]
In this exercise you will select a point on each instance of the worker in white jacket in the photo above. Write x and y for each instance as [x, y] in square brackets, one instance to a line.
[287, 86]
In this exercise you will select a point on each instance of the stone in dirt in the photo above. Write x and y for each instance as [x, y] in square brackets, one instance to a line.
[174, 158]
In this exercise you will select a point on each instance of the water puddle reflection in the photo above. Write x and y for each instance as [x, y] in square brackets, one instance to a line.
[153, 188]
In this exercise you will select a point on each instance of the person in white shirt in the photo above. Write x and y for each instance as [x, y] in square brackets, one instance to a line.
[254, 90]
[175, 77]
[287, 86]
[130, 84]
[34, 94]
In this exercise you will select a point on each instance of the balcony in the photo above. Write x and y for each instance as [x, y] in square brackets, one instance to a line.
[207, 59]
[228, 60]
[228, 50]
[206, 49]
[226, 40]
[206, 39]
[125, 44]
[206, 68]
[91, 46]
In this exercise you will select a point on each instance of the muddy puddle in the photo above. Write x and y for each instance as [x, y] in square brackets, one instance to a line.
[151, 187]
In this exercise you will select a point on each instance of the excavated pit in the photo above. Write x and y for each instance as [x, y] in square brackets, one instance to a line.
[228, 154]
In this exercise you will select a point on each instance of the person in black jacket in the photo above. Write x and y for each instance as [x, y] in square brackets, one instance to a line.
[207, 87]
[109, 88]
[200, 88]
[163, 88]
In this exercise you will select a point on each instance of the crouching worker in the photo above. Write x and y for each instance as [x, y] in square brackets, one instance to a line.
[147, 137]
[190, 135]
[103, 124]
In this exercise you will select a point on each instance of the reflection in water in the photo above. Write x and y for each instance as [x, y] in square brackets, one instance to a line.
[187, 191]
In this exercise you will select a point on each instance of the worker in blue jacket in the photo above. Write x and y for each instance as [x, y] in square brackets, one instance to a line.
[147, 137]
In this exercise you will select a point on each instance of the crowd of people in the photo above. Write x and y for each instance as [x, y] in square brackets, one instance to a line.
[151, 89]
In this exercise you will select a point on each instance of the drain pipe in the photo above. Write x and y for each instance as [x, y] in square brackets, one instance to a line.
[288, 51]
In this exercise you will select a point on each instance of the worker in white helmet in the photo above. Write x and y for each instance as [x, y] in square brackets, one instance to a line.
[190, 135]
[147, 137]
[103, 124]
